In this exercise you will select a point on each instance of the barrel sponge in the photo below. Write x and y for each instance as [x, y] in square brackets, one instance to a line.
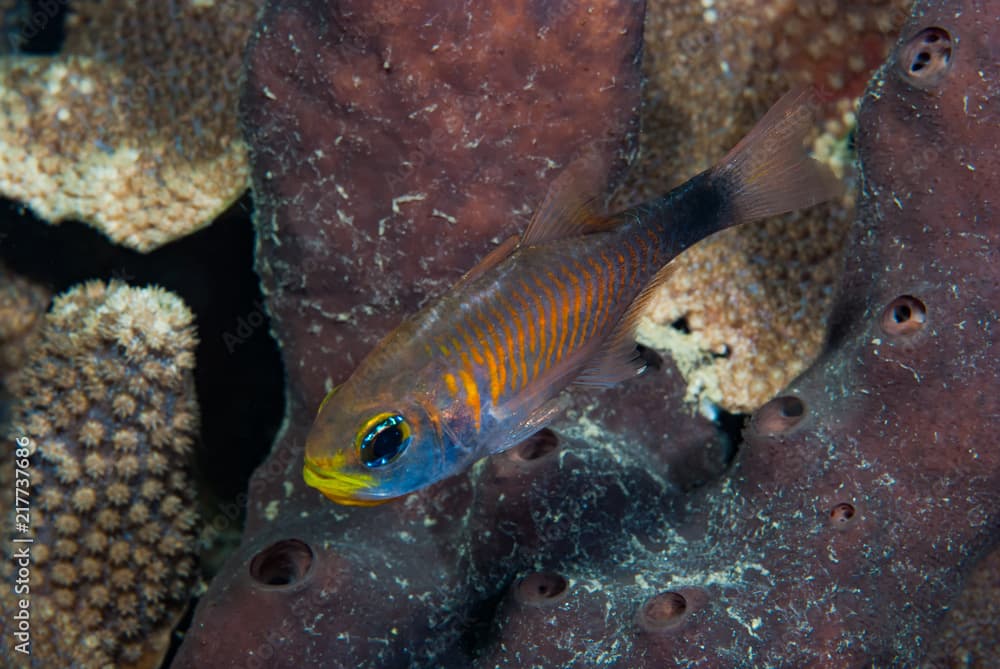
[132, 127]
[107, 401]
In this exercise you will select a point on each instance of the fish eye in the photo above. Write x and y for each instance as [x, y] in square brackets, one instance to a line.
[382, 439]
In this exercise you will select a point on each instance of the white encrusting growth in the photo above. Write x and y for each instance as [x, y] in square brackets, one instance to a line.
[403, 199]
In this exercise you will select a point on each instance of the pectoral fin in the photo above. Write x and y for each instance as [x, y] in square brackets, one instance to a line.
[538, 419]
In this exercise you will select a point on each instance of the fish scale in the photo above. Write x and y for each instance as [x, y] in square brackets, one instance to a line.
[563, 316]
[625, 258]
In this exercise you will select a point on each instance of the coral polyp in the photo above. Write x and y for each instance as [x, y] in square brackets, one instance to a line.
[114, 532]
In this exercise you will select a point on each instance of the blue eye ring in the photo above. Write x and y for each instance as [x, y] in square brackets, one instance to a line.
[382, 439]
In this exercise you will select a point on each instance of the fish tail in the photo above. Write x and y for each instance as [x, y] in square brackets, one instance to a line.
[770, 171]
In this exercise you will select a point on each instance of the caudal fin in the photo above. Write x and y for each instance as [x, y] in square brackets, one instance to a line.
[770, 172]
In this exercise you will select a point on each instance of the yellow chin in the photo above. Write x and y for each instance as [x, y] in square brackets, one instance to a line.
[338, 486]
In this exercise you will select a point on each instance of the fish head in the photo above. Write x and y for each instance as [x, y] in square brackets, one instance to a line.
[370, 451]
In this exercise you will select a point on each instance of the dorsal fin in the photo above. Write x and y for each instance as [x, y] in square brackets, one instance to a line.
[492, 259]
[618, 359]
[570, 207]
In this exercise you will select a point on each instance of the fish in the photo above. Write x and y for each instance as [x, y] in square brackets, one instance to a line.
[485, 366]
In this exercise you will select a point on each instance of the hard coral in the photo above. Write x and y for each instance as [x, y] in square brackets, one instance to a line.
[22, 306]
[752, 301]
[107, 403]
[133, 126]
[970, 629]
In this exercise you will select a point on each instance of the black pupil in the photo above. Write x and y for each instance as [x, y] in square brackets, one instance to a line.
[384, 446]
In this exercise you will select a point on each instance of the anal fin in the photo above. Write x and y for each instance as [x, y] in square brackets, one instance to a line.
[535, 421]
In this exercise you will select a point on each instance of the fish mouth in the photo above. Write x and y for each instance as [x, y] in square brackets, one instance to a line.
[340, 487]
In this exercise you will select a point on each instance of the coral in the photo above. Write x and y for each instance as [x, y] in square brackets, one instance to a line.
[132, 127]
[852, 512]
[972, 625]
[107, 404]
[22, 305]
[745, 312]
[753, 301]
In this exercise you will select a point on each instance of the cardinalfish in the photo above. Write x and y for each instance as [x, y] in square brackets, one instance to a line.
[483, 368]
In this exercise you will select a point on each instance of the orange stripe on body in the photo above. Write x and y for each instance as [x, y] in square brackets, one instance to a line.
[639, 249]
[550, 341]
[654, 242]
[449, 380]
[587, 295]
[510, 350]
[527, 312]
[611, 285]
[517, 352]
[563, 309]
[471, 396]
[576, 338]
[597, 284]
[626, 277]
[634, 257]
[457, 346]
[650, 250]
[500, 349]
[488, 345]
[645, 268]
[538, 343]
[470, 343]
[503, 342]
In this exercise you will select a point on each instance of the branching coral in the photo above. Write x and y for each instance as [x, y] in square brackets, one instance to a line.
[133, 126]
[107, 402]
